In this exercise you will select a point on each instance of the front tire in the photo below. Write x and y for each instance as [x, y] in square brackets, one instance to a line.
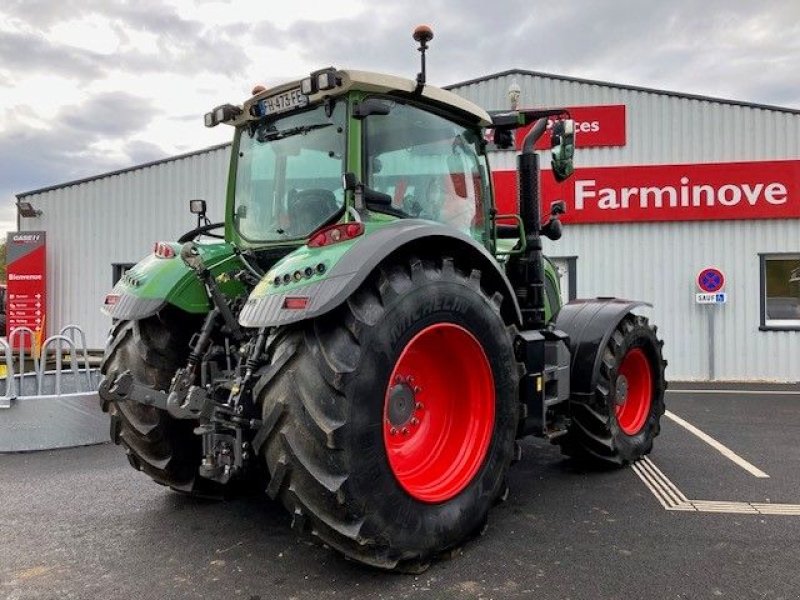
[618, 424]
[391, 425]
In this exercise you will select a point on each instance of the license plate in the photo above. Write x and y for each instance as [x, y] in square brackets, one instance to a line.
[285, 101]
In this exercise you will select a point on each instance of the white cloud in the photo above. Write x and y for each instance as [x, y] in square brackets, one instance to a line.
[94, 33]
[280, 14]
[92, 85]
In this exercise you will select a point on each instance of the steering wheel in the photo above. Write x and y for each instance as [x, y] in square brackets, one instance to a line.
[310, 208]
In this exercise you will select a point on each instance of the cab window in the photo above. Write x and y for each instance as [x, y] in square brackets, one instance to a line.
[431, 167]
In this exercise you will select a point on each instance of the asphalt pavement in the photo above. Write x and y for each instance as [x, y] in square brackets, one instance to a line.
[81, 524]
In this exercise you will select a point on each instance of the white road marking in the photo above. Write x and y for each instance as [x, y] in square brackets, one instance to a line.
[739, 392]
[721, 448]
[672, 499]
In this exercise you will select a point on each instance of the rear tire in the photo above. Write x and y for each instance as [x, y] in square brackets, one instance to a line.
[348, 382]
[164, 448]
[618, 425]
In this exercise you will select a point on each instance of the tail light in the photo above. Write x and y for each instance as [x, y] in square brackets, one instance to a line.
[335, 234]
[295, 302]
[111, 299]
[163, 250]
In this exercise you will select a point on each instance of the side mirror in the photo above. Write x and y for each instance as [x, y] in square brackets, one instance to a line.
[559, 207]
[562, 144]
[371, 106]
[553, 229]
[349, 181]
[504, 138]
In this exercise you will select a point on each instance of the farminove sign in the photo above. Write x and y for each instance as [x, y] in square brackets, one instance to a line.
[712, 191]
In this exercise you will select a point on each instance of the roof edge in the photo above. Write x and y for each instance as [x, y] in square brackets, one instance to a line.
[622, 86]
[153, 163]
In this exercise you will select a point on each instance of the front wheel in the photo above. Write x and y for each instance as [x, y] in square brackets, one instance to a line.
[393, 420]
[618, 424]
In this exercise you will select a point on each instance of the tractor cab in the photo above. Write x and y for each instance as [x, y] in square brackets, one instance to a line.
[407, 154]
[356, 148]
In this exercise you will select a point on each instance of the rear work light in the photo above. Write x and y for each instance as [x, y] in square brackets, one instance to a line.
[111, 299]
[335, 234]
[163, 250]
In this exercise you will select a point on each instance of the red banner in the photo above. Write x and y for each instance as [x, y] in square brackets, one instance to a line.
[595, 126]
[695, 192]
[27, 286]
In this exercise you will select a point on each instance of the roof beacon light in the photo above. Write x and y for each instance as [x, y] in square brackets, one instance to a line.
[422, 34]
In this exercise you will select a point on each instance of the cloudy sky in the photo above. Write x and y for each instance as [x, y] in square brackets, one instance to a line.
[88, 86]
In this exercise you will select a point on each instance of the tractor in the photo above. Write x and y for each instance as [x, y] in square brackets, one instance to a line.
[366, 336]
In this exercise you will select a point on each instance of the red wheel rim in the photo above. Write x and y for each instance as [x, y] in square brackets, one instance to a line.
[634, 391]
[438, 412]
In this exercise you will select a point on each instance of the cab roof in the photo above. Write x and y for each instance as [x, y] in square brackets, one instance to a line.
[383, 84]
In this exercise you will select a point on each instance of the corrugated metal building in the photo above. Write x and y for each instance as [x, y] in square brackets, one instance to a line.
[710, 183]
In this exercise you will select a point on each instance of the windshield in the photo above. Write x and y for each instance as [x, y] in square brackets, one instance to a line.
[289, 175]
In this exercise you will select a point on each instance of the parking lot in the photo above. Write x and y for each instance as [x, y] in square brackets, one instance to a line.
[691, 521]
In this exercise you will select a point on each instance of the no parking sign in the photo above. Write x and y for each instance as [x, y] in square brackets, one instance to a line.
[711, 280]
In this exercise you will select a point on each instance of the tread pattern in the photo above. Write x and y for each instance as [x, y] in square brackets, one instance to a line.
[594, 433]
[306, 407]
[164, 448]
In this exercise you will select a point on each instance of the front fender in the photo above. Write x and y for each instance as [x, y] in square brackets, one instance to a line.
[155, 282]
[266, 305]
[590, 325]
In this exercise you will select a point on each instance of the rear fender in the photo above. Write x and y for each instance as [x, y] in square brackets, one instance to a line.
[155, 282]
[266, 304]
[590, 325]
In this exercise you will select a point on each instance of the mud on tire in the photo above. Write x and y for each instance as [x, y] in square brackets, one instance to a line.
[164, 448]
[618, 424]
[325, 411]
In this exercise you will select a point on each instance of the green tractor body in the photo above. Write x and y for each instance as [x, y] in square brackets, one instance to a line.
[369, 336]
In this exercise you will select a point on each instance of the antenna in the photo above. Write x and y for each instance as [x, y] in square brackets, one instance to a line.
[422, 34]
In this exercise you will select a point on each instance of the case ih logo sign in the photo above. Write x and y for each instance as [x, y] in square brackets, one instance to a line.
[26, 294]
[719, 191]
[595, 126]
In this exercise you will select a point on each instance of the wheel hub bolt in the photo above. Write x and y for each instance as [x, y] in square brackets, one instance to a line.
[393, 431]
[622, 390]
[404, 431]
[419, 406]
[414, 421]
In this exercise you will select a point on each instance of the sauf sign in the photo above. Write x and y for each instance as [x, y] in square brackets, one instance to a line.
[716, 191]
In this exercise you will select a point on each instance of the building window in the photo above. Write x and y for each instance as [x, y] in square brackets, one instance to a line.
[118, 270]
[780, 292]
